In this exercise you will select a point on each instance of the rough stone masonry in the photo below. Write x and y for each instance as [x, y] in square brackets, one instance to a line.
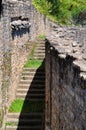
[20, 22]
[19, 25]
[66, 79]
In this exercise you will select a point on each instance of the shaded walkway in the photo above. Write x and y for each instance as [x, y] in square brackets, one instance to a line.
[31, 90]
[33, 119]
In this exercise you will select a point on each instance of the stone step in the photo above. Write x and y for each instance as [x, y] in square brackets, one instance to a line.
[23, 128]
[26, 122]
[30, 95]
[31, 77]
[30, 91]
[24, 115]
[40, 44]
[37, 99]
[31, 86]
[34, 80]
[39, 51]
[40, 48]
[40, 54]
[33, 73]
[30, 83]
[29, 69]
[38, 58]
[40, 70]
[32, 69]
[36, 73]
[26, 77]
[35, 86]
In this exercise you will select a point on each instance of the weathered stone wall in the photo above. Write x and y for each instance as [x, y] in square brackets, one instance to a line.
[65, 101]
[14, 51]
[66, 80]
[20, 22]
[40, 25]
[13, 54]
[1, 72]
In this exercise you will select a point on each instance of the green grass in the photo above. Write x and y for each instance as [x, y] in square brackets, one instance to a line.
[33, 63]
[20, 105]
[16, 105]
[11, 123]
[32, 52]
[42, 37]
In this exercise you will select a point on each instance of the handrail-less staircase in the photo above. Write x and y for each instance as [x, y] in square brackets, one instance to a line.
[31, 88]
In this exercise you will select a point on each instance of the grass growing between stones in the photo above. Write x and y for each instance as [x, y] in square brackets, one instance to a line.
[11, 123]
[31, 63]
[42, 37]
[20, 105]
[32, 52]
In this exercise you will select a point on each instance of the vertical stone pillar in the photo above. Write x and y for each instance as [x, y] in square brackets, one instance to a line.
[48, 96]
[6, 65]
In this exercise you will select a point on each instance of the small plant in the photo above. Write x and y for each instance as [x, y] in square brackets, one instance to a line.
[32, 52]
[16, 105]
[11, 123]
[42, 37]
[31, 63]
[20, 105]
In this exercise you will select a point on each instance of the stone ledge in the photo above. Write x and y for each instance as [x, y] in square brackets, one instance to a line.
[69, 41]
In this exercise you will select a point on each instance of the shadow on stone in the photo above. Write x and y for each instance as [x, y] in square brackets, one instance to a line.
[19, 32]
[0, 7]
[32, 114]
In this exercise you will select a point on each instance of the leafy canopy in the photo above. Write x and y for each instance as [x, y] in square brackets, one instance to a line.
[63, 11]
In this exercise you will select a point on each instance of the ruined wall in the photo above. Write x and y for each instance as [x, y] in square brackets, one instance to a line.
[13, 54]
[40, 25]
[14, 50]
[66, 79]
[20, 22]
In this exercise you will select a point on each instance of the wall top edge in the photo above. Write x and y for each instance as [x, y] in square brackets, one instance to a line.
[70, 41]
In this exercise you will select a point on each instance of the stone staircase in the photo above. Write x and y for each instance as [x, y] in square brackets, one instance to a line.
[39, 51]
[31, 88]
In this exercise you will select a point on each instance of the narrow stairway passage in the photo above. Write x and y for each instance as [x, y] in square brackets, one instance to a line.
[30, 91]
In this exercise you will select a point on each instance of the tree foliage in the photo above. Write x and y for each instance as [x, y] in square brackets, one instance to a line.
[64, 11]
